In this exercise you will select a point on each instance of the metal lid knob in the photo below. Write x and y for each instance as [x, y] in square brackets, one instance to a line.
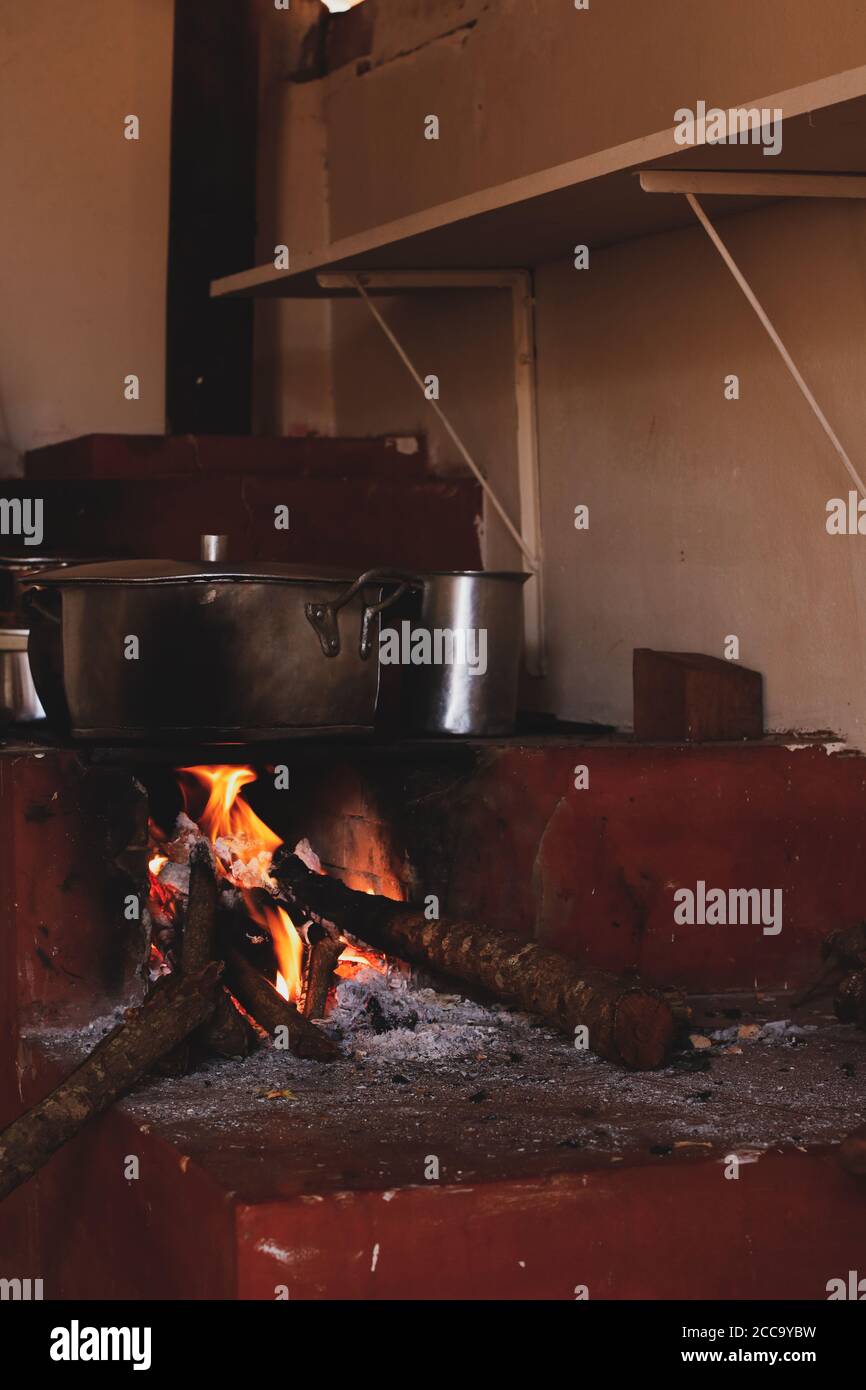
[214, 548]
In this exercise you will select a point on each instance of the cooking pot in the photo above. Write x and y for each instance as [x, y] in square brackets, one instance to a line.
[19, 703]
[460, 641]
[137, 649]
[474, 694]
[17, 572]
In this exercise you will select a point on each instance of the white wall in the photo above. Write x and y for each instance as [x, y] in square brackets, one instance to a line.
[84, 226]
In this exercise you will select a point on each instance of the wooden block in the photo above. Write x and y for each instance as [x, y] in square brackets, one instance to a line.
[684, 697]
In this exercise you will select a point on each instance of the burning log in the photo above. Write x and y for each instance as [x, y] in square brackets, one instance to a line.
[197, 946]
[227, 1032]
[323, 956]
[271, 1011]
[172, 1011]
[627, 1021]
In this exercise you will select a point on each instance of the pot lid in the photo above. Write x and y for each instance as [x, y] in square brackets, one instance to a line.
[520, 576]
[185, 572]
[38, 561]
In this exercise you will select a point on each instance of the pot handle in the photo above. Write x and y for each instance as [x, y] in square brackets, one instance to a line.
[323, 616]
[30, 600]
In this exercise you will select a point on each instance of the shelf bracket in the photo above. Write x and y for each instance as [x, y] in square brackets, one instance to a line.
[799, 380]
[528, 536]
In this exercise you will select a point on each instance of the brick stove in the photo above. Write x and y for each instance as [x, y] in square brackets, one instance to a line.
[517, 1168]
[553, 1172]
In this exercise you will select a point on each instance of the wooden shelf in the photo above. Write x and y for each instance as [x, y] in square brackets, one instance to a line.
[596, 200]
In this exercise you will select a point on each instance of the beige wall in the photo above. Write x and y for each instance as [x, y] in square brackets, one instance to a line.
[83, 231]
[707, 516]
[536, 82]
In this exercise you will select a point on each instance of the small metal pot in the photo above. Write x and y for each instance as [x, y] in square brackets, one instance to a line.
[19, 703]
[460, 642]
[476, 696]
[143, 649]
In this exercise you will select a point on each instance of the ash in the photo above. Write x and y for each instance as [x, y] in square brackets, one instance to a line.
[387, 1018]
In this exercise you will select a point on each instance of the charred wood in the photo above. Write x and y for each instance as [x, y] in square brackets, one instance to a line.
[627, 1021]
[322, 958]
[176, 1006]
[227, 1032]
[271, 1011]
[197, 946]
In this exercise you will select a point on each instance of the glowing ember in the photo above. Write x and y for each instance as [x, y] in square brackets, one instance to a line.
[164, 897]
[355, 958]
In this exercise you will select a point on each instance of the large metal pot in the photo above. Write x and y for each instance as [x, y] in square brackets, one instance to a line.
[142, 649]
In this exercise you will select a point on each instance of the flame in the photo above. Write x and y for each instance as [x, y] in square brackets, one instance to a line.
[227, 814]
[355, 958]
[244, 858]
[288, 946]
[289, 950]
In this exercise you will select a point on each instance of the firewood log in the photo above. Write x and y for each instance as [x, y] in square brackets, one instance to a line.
[199, 926]
[627, 1021]
[227, 1032]
[271, 1011]
[176, 1006]
[322, 958]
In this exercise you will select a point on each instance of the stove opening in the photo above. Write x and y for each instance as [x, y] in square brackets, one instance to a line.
[207, 814]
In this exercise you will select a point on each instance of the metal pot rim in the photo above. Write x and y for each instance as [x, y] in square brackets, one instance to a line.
[513, 575]
[159, 572]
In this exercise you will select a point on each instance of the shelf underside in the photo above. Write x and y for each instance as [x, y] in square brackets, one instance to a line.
[596, 200]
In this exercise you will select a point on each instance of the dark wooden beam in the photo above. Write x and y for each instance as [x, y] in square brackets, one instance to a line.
[213, 214]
